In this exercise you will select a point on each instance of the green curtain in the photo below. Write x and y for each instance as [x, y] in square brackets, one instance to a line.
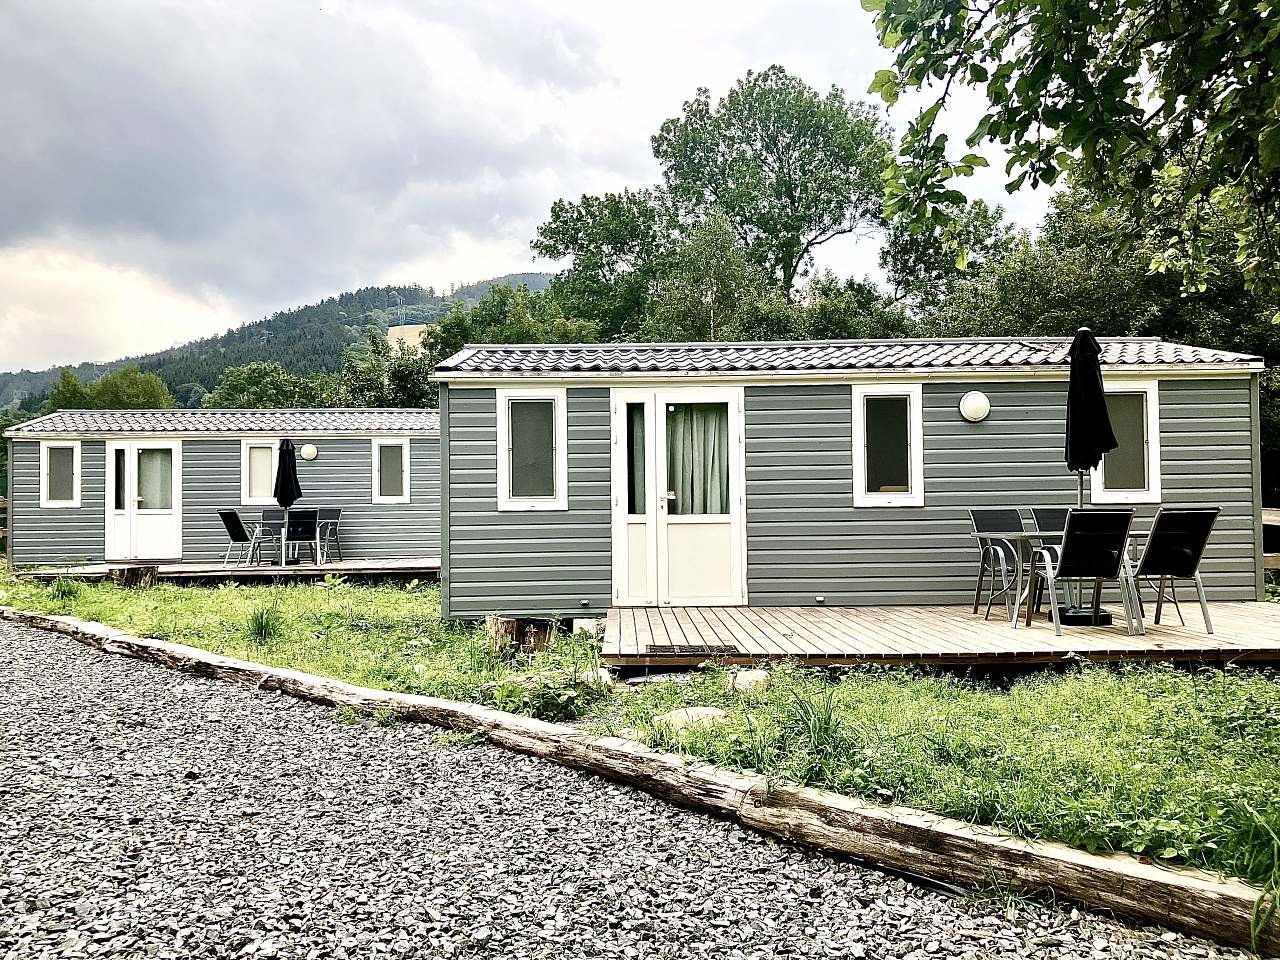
[698, 457]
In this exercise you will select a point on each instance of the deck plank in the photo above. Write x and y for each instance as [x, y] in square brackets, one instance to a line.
[928, 634]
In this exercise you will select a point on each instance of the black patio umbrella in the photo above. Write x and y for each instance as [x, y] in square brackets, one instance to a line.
[1089, 433]
[287, 490]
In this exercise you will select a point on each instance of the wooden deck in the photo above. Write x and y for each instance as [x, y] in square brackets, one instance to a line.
[389, 567]
[685, 636]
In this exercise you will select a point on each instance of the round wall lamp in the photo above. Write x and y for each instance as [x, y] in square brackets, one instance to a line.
[308, 451]
[974, 406]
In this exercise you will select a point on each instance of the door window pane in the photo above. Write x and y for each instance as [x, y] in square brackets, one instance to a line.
[155, 479]
[119, 483]
[390, 470]
[888, 444]
[697, 458]
[61, 475]
[532, 433]
[637, 500]
[261, 480]
[1125, 467]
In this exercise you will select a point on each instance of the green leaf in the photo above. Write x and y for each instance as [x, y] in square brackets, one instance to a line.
[881, 80]
[1269, 148]
[962, 259]
[974, 160]
[873, 6]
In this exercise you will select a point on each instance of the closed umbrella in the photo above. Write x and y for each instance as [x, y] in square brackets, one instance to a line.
[1089, 436]
[287, 490]
[1089, 433]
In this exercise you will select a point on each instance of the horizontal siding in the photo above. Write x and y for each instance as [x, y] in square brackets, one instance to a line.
[806, 539]
[53, 536]
[545, 562]
[340, 476]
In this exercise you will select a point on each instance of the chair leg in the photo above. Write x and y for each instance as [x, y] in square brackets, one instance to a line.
[1053, 592]
[982, 573]
[1033, 583]
[1204, 603]
[1159, 598]
[1173, 595]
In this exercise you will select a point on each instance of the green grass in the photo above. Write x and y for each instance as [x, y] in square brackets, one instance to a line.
[1174, 764]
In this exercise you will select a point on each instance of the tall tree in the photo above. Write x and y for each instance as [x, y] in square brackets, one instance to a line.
[706, 287]
[68, 393]
[615, 243]
[791, 168]
[1158, 104]
[921, 268]
[125, 389]
[262, 385]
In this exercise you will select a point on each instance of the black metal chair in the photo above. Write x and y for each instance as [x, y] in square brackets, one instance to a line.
[243, 540]
[1093, 548]
[1175, 546]
[303, 530]
[270, 530]
[998, 556]
[330, 519]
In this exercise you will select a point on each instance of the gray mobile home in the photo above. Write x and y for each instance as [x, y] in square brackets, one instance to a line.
[582, 477]
[93, 486]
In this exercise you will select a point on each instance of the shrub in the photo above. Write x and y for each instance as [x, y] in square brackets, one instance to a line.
[265, 626]
[65, 589]
[552, 694]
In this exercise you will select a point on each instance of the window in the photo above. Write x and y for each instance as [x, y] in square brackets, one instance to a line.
[155, 479]
[1131, 472]
[888, 445]
[258, 460]
[60, 474]
[118, 479]
[532, 450]
[391, 471]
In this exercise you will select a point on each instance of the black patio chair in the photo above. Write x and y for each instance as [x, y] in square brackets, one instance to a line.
[998, 556]
[1174, 549]
[1051, 519]
[243, 540]
[330, 520]
[1093, 548]
[270, 530]
[303, 530]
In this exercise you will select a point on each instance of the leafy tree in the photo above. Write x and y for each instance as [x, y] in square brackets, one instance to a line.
[69, 393]
[385, 376]
[130, 389]
[615, 243]
[832, 309]
[262, 385]
[125, 389]
[706, 287]
[1161, 105]
[790, 167]
[920, 267]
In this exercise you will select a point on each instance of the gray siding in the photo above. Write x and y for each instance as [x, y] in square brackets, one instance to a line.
[62, 535]
[341, 476]
[539, 562]
[806, 539]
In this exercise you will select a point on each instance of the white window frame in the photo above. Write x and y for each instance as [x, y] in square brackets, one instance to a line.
[914, 497]
[560, 501]
[45, 502]
[1151, 494]
[376, 468]
[245, 499]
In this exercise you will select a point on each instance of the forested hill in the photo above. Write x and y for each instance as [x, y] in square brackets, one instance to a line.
[308, 339]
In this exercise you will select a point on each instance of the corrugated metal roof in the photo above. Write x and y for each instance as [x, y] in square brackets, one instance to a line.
[815, 356]
[275, 422]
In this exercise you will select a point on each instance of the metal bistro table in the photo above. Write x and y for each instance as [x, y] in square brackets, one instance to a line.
[1024, 543]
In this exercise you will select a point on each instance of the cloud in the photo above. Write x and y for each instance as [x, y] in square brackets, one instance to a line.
[62, 308]
[248, 156]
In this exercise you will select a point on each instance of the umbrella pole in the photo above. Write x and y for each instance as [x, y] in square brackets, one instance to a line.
[1080, 489]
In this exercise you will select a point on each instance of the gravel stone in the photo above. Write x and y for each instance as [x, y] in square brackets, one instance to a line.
[147, 813]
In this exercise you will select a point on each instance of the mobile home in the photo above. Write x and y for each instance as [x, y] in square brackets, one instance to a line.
[94, 486]
[576, 478]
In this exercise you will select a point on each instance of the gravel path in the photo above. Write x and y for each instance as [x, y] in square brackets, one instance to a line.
[145, 813]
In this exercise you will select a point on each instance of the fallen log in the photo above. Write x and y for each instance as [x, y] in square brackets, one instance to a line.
[905, 839]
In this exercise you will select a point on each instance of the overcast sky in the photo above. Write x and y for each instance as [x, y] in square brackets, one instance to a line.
[171, 169]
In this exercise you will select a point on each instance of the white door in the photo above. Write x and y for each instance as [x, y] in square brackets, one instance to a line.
[144, 500]
[678, 483]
